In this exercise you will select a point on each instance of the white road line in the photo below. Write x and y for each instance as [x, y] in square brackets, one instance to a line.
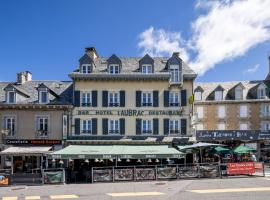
[70, 196]
[230, 190]
[129, 194]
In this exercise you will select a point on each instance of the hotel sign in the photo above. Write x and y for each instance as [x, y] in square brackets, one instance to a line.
[130, 112]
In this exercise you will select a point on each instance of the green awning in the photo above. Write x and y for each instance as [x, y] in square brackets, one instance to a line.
[116, 151]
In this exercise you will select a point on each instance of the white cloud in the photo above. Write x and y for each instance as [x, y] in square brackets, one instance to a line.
[252, 69]
[158, 42]
[227, 30]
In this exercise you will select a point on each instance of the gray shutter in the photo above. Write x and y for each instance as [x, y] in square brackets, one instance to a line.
[155, 98]
[183, 97]
[77, 126]
[94, 98]
[77, 98]
[138, 126]
[105, 98]
[105, 126]
[122, 98]
[166, 98]
[138, 98]
[155, 126]
[183, 126]
[166, 126]
[122, 126]
[94, 126]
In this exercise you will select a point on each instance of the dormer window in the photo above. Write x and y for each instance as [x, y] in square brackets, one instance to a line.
[238, 93]
[218, 95]
[114, 69]
[198, 96]
[147, 69]
[43, 96]
[261, 92]
[86, 69]
[175, 74]
[11, 97]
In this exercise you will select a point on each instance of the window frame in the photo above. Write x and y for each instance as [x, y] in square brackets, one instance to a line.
[175, 123]
[148, 124]
[116, 101]
[113, 67]
[86, 69]
[201, 108]
[241, 124]
[246, 114]
[265, 110]
[172, 98]
[238, 90]
[147, 69]
[83, 103]
[217, 97]
[40, 93]
[218, 112]
[12, 121]
[147, 103]
[114, 126]
[175, 77]
[219, 124]
[196, 95]
[8, 97]
[42, 132]
[86, 123]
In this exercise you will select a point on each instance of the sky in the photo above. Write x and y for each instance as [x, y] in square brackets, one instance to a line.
[221, 40]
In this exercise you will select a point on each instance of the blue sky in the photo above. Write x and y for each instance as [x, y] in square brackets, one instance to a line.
[218, 39]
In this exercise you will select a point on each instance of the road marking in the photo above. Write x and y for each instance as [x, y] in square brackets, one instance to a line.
[32, 197]
[128, 194]
[71, 196]
[226, 190]
[9, 198]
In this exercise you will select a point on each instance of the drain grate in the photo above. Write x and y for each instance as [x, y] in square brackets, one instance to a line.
[160, 183]
[17, 188]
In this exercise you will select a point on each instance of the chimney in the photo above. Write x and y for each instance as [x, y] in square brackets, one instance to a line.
[91, 52]
[23, 77]
[177, 54]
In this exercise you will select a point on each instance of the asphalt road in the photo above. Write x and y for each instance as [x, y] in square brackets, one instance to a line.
[205, 189]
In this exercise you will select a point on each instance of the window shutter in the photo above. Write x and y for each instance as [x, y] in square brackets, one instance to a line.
[122, 126]
[155, 98]
[155, 126]
[183, 126]
[166, 126]
[77, 126]
[166, 98]
[105, 126]
[183, 97]
[94, 98]
[105, 98]
[94, 126]
[138, 126]
[138, 98]
[122, 99]
[77, 98]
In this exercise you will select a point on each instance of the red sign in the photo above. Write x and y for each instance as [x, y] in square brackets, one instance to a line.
[241, 168]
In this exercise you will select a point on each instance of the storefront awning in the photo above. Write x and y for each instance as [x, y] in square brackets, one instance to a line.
[116, 151]
[26, 151]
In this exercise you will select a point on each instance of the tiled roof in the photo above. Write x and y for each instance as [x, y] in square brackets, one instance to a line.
[63, 90]
[249, 90]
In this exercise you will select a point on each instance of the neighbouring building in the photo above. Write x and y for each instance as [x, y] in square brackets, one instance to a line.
[34, 119]
[128, 98]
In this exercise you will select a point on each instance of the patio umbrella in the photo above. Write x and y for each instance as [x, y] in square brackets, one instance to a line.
[243, 149]
[220, 149]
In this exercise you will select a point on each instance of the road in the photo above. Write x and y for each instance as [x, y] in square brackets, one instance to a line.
[205, 189]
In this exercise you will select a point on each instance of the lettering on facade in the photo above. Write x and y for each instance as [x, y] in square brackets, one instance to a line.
[130, 112]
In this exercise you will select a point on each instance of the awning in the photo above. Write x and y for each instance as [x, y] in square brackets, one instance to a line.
[26, 151]
[116, 151]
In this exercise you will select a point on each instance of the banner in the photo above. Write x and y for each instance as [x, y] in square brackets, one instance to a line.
[209, 171]
[53, 177]
[102, 175]
[4, 180]
[240, 168]
[145, 174]
[123, 174]
[166, 172]
[191, 171]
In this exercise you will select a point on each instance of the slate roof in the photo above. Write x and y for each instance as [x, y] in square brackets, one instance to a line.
[249, 90]
[62, 91]
[130, 65]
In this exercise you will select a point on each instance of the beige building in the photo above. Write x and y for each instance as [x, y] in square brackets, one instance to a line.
[33, 114]
[131, 98]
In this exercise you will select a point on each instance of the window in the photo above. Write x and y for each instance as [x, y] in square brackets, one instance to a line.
[11, 97]
[238, 93]
[86, 127]
[221, 112]
[243, 126]
[174, 98]
[243, 110]
[86, 69]
[114, 99]
[146, 126]
[43, 96]
[175, 73]
[200, 113]
[174, 126]
[218, 95]
[147, 69]
[114, 127]
[147, 99]
[199, 127]
[265, 126]
[42, 126]
[221, 126]
[114, 69]
[86, 99]
[10, 126]
[265, 110]
[261, 93]
[198, 96]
